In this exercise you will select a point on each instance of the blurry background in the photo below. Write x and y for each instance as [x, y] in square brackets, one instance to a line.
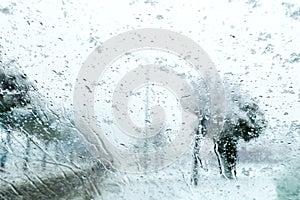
[258, 41]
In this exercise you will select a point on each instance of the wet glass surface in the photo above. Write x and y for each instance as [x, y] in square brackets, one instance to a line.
[45, 154]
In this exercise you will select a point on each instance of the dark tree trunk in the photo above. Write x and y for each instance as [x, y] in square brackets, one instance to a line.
[201, 131]
[226, 150]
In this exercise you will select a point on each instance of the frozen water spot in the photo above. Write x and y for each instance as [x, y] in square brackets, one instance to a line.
[292, 11]
[269, 49]
[264, 36]
[6, 11]
[253, 3]
[151, 2]
[159, 17]
[294, 58]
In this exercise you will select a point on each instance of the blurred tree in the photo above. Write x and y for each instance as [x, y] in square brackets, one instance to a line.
[22, 109]
[244, 120]
[246, 127]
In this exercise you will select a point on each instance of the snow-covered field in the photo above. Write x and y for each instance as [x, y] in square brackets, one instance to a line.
[255, 181]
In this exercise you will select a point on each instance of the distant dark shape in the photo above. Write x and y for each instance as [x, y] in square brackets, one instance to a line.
[21, 109]
[14, 88]
[244, 120]
[246, 127]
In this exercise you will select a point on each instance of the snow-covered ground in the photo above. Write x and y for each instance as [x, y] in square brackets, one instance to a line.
[255, 181]
[267, 175]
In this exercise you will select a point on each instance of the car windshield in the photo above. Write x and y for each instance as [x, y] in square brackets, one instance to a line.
[149, 99]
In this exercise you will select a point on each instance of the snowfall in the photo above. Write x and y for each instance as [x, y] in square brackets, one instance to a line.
[255, 42]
